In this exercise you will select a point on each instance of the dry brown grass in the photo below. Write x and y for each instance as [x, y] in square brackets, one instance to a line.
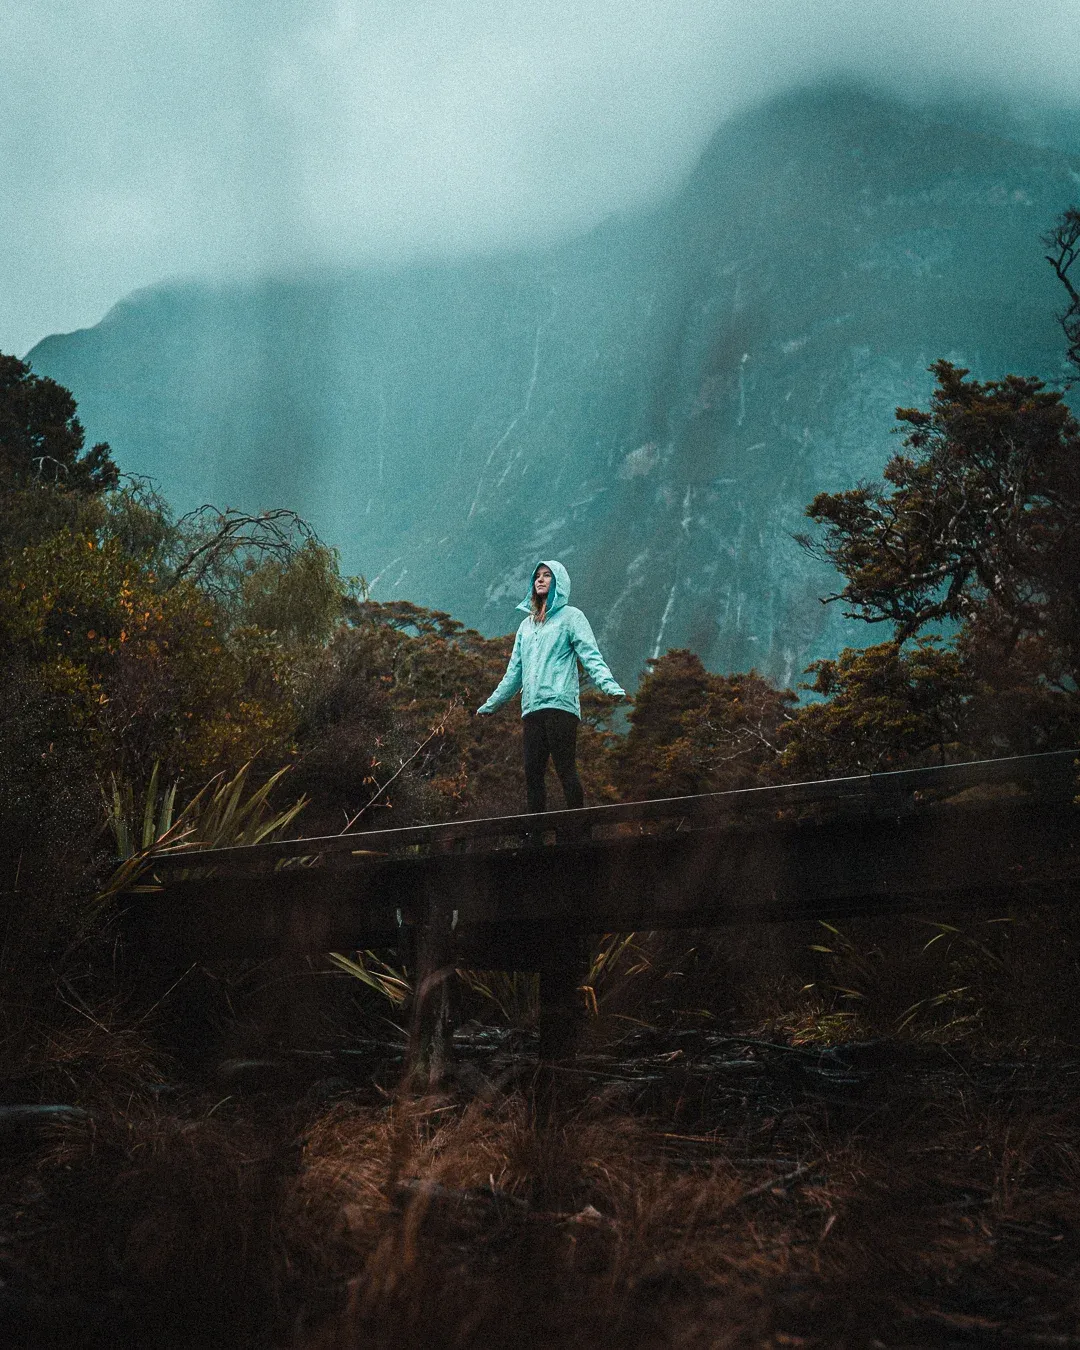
[932, 1203]
[951, 1222]
[676, 1187]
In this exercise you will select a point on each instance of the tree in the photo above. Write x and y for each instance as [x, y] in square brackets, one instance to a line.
[881, 707]
[41, 439]
[148, 673]
[976, 529]
[693, 731]
[299, 595]
[1063, 243]
[672, 684]
[980, 523]
[733, 739]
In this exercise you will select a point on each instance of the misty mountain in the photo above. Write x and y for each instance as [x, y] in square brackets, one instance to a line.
[654, 403]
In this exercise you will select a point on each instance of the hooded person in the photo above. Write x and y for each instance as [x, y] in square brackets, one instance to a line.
[550, 642]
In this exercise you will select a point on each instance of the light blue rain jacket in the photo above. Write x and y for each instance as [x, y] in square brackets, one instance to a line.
[544, 662]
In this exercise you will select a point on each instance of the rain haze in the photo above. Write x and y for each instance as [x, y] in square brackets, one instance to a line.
[144, 143]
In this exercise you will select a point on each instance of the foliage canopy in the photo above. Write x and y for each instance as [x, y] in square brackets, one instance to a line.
[41, 439]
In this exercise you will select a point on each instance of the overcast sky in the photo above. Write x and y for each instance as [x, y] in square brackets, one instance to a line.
[142, 141]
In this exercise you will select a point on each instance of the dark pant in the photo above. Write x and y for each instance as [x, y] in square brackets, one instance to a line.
[551, 732]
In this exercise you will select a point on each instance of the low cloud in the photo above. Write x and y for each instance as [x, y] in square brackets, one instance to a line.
[143, 142]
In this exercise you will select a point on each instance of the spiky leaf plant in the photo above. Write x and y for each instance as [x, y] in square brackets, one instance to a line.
[222, 813]
[394, 985]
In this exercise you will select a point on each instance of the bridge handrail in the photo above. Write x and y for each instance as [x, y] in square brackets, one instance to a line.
[880, 789]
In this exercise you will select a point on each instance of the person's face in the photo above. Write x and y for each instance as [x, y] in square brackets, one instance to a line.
[542, 581]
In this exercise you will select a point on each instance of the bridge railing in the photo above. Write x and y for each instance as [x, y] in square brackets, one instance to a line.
[1051, 776]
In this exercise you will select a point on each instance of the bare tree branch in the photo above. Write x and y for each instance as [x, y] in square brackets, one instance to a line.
[1063, 241]
[220, 536]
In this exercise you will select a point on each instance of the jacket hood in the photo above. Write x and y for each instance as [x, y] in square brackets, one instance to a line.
[560, 588]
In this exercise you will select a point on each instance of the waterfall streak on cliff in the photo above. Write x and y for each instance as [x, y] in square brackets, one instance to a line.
[516, 419]
[664, 620]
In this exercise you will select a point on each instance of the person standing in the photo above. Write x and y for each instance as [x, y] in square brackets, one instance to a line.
[550, 642]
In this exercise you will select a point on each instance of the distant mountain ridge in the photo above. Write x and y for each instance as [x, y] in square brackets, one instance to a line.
[654, 403]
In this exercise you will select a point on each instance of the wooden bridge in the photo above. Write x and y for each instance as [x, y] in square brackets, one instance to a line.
[524, 892]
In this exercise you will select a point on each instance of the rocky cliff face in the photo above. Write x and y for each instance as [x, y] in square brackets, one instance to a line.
[654, 403]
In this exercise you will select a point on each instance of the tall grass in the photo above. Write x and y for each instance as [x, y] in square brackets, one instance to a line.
[482, 1222]
[682, 1194]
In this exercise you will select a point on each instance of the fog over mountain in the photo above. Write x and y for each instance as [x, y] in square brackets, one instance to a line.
[145, 142]
[654, 401]
[615, 281]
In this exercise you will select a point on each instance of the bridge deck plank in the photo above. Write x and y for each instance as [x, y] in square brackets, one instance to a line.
[1052, 775]
[989, 852]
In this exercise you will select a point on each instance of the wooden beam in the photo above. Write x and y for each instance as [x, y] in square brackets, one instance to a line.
[515, 901]
[431, 1015]
[1051, 775]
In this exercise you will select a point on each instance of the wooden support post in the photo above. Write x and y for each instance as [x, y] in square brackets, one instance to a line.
[431, 1024]
[564, 963]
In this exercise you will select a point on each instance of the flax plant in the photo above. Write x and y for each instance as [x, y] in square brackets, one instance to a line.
[513, 994]
[393, 984]
[223, 813]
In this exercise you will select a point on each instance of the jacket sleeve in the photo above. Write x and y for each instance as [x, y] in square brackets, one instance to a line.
[510, 682]
[588, 653]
